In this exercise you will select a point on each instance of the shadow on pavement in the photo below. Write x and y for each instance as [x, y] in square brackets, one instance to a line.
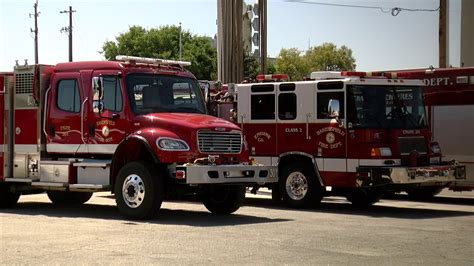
[110, 212]
[338, 205]
[435, 199]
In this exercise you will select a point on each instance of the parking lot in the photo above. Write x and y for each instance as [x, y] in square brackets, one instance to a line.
[394, 231]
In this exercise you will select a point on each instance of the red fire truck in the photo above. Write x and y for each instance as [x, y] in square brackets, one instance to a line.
[341, 134]
[136, 127]
[449, 97]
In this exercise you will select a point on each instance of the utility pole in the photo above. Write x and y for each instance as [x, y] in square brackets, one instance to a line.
[262, 14]
[230, 53]
[35, 31]
[443, 34]
[180, 45]
[69, 30]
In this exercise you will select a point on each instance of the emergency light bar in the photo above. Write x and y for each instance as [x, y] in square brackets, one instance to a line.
[325, 75]
[272, 77]
[146, 60]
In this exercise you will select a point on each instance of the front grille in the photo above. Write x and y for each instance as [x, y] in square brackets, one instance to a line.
[408, 144]
[219, 142]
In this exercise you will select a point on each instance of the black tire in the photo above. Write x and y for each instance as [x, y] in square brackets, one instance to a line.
[223, 199]
[299, 186]
[276, 194]
[68, 197]
[424, 193]
[143, 188]
[8, 198]
[362, 198]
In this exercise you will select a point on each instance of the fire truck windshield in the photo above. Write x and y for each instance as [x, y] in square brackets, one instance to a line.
[162, 93]
[378, 106]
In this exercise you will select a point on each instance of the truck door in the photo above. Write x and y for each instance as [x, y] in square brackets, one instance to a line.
[107, 127]
[330, 132]
[64, 115]
[293, 118]
[257, 116]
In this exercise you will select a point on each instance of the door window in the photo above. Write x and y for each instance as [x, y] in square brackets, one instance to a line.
[263, 106]
[68, 96]
[112, 94]
[323, 101]
[287, 106]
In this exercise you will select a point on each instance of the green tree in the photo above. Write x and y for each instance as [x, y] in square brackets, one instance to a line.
[291, 62]
[163, 42]
[325, 57]
[251, 66]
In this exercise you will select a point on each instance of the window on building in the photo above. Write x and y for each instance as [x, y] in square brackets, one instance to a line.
[263, 106]
[287, 106]
[323, 101]
[68, 96]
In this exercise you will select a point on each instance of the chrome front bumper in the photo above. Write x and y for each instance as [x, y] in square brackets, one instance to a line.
[433, 174]
[225, 174]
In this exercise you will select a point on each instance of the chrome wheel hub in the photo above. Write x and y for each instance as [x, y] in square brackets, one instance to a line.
[133, 191]
[296, 185]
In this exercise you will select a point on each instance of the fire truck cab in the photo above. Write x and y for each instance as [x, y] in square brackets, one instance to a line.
[342, 133]
[136, 127]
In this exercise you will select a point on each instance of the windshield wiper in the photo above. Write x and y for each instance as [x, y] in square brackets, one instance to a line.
[190, 109]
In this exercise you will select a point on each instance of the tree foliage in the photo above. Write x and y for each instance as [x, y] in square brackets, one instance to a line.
[251, 66]
[163, 42]
[325, 57]
[291, 62]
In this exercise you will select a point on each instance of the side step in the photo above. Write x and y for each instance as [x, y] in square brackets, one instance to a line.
[83, 175]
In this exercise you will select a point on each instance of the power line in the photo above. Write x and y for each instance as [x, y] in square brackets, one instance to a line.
[394, 11]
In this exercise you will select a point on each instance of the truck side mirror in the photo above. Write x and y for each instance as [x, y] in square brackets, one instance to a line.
[98, 94]
[333, 108]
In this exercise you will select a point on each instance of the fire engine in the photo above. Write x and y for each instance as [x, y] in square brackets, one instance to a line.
[340, 133]
[136, 127]
[449, 97]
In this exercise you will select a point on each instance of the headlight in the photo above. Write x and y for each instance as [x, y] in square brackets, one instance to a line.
[435, 148]
[169, 144]
[383, 151]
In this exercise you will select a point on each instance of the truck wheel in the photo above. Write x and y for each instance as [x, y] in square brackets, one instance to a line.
[68, 198]
[299, 186]
[8, 198]
[424, 193]
[223, 199]
[138, 191]
[362, 198]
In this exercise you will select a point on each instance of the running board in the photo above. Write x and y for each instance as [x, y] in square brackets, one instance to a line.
[20, 180]
[88, 187]
[49, 184]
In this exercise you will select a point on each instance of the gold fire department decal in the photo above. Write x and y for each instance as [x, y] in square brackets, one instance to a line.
[105, 131]
[330, 137]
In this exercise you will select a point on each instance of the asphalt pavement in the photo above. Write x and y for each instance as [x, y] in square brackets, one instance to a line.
[394, 231]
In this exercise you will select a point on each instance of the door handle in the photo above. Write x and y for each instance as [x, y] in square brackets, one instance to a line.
[52, 131]
[91, 130]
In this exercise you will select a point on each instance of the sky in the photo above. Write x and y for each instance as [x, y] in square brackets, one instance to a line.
[378, 40]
